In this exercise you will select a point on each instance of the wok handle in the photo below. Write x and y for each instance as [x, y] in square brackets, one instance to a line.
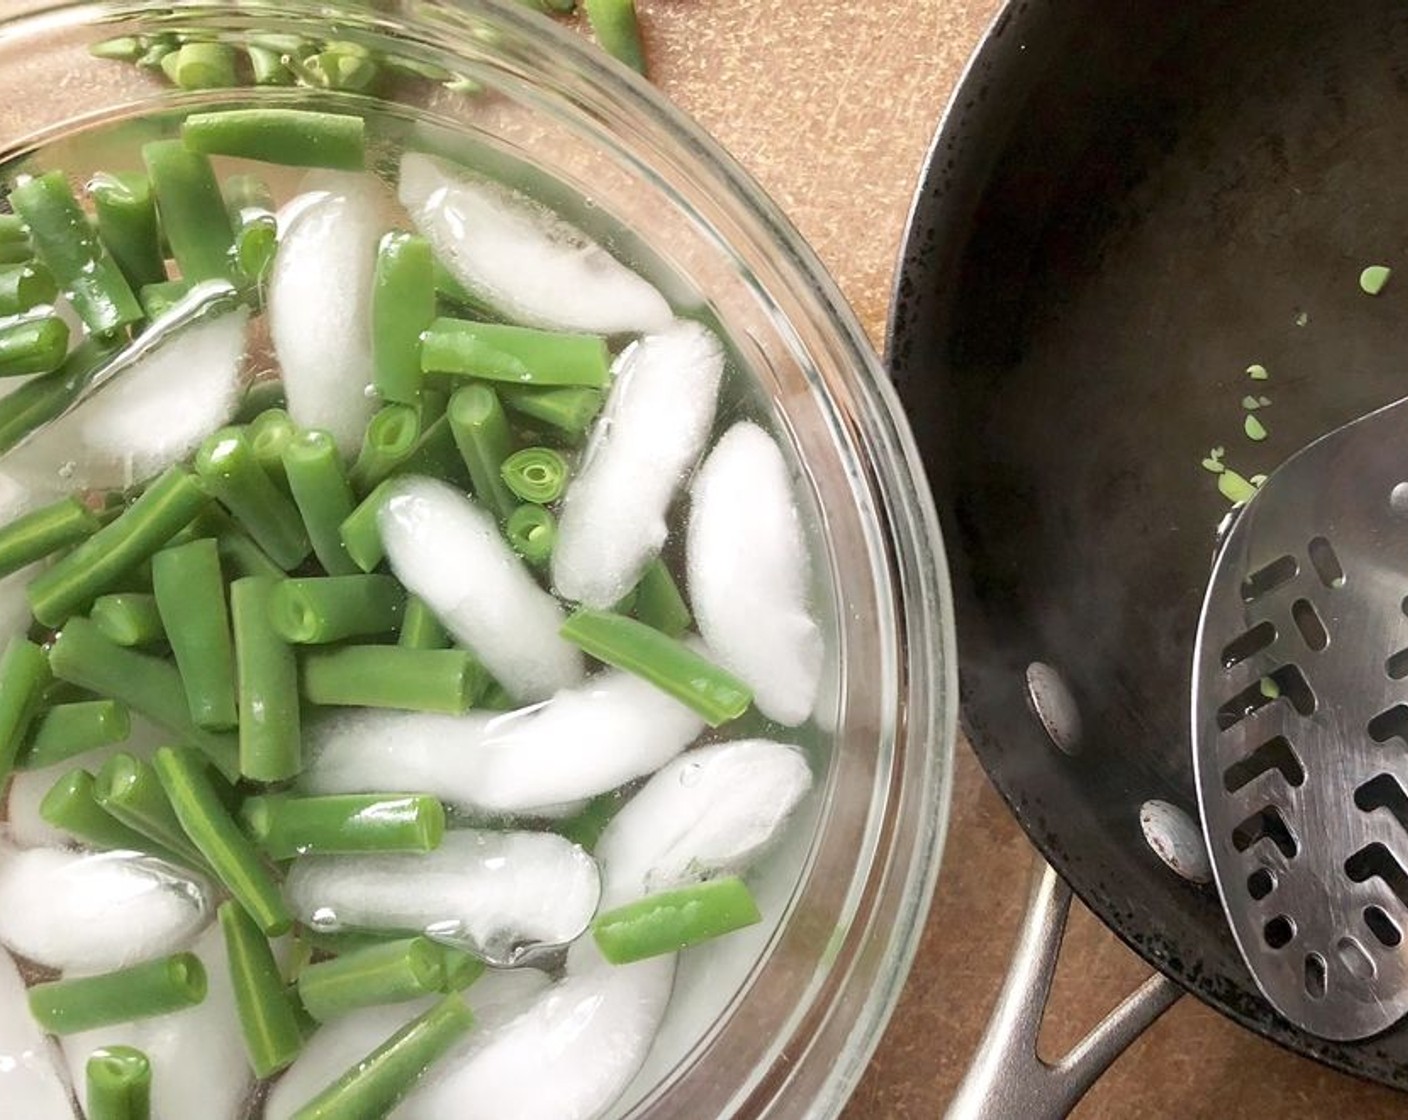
[1007, 1077]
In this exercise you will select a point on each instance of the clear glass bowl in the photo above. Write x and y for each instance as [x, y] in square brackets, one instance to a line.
[786, 1030]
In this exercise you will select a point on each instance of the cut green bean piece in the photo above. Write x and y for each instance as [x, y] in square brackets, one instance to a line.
[436, 454]
[127, 224]
[24, 287]
[295, 137]
[361, 536]
[268, 1022]
[37, 402]
[33, 343]
[267, 672]
[323, 495]
[461, 968]
[665, 662]
[617, 29]
[420, 629]
[119, 1082]
[190, 596]
[201, 66]
[155, 55]
[239, 555]
[372, 1087]
[337, 68]
[420, 680]
[673, 920]
[149, 686]
[532, 532]
[268, 67]
[536, 474]
[321, 610]
[212, 829]
[230, 471]
[124, 48]
[166, 505]
[44, 531]
[568, 410]
[66, 731]
[266, 393]
[75, 254]
[403, 306]
[13, 229]
[392, 973]
[158, 299]
[520, 355]
[482, 435]
[269, 433]
[586, 827]
[256, 245]
[343, 824]
[154, 988]
[659, 603]
[129, 618]
[72, 805]
[127, 789]
[24, 675]
[390, 438]
[192, 211]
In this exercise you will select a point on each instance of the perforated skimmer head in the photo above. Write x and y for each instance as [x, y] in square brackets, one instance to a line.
[1300, 729]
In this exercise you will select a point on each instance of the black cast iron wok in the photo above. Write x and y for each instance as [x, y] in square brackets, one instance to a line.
[1129, 202]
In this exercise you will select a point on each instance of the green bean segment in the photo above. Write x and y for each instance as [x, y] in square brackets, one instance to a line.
[420, 629]
[324, 498]
[318, 611]
[374, 1085]
[44, 531]
[201, 66]
[227, 465]
[673, 920]
[119, 1083]
[127, 225]
[403, 306]
[66, 731]
[192, 211]
[155, 988]
[617, 29]
[272, 1036]
[75, 254]
[665, 662]
[391, 973]
[270, 737]
[24, 287]
[441, 680]
[390, 439]
[24, 675]
[361, 536]
[659, 603]
[158, 299]
[149, 686]
[129, 618]
[212, 829]
[568, 410]
[519, 355]
[32, 344]
[482, 435]
[269, 434]
[536, 474]
[117, 548]
[342, 824]
[127, 789]
[295, 137]
[532, 531]
[40, 400]
[72, 805]
[189, 591]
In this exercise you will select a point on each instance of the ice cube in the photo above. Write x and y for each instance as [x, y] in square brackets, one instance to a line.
[584, 741]
[649, 436]
[709, 811]
[496, 893]
[94, 912]
[523, 259]
[31, 1084]
[153, 413]
[747, 569]
[199, 1067]
[450, 553]
[565, 1058]
[319, 304]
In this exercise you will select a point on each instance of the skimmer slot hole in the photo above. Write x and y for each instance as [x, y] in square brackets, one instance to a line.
[1355, 958]
[1384, 928]
[1274, 754]
[1265, 825]
[1397, 665]
[1308, 622]
[1389, 724]
[1265, 580]
[1279, 932]
[1315, 976]
[1260, 883]
[1383, 792]
[1376, 861]
[1249, 644]
[1286, 683]
[1326, 564]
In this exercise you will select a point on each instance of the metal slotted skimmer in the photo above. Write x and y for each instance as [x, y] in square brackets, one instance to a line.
[1300, 729]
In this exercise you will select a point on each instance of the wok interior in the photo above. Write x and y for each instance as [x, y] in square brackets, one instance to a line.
[1129, 204]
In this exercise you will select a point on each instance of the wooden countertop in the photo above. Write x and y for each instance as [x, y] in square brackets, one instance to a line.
[831, 107]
